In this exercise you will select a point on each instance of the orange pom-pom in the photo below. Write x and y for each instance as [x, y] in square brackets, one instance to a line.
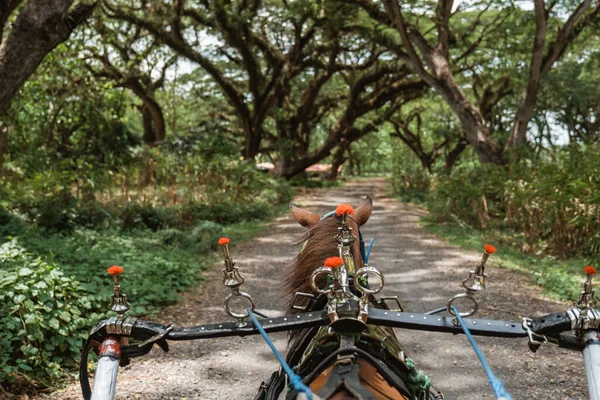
[589, 270]
[489, 249]
[334, 262]
[223, 241]
[344, 209]
[115, 270]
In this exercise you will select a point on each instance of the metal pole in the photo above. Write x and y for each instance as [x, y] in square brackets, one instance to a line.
[591, 358]
[105, 381]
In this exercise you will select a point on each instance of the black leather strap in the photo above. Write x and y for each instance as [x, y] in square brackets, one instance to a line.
[552, 324]
[84, 380]
[383, 369]
[278, 324]
[271, 389]
[435, 323]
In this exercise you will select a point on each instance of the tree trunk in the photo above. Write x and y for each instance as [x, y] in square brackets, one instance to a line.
[252, 141]
[476, 131]
[154, 122]
[148, 124]
[338, 159]
[38, 29]
[453, 156]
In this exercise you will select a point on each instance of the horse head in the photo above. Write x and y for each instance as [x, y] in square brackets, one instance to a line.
[319, 243]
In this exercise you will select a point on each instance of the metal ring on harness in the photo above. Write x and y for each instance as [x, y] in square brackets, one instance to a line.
[364, 273]
[313, 279]
[463, 296]
[239, 294]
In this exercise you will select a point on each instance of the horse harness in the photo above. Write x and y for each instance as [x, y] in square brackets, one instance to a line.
[337, 359]
[348, 359]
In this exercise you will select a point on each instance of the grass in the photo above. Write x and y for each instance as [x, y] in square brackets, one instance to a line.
[560, 279]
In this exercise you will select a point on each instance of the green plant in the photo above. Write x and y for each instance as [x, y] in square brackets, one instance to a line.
[44, 315]
[551, 207]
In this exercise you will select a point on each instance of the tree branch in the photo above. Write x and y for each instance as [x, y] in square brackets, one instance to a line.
[443, 13]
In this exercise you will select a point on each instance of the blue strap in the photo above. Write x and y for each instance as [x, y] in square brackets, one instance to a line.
[368, 255]
[328, 215]
[362, 246]
[295, 380]
[497, 386]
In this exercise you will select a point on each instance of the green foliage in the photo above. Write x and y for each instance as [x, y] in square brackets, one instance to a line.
[372, 155]
[473, 194]
[44, 316]
[163, 233]
[159, 264]
[551, 206]
[410, 181]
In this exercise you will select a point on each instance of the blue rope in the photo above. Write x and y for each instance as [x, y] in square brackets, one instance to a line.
[295, 380]
[369, 252]
[497, 386]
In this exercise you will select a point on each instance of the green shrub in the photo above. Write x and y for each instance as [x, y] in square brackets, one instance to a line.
[138, 215]
[551, 206]
[44, 316]
[410, 180]
[227, 213]
[205, 236]
[473, 194]
[556, 205]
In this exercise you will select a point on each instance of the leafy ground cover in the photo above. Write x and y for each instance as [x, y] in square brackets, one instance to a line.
[54, 286]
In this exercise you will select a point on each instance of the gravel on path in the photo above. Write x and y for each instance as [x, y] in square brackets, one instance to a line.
[421, 269]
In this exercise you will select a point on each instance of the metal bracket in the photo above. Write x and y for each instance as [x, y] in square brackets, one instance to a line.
[301, 295]
[536, 339]
[393, 299]
[363, 275]
[119, 325]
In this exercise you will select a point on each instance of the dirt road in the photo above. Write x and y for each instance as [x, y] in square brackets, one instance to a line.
[421, 269]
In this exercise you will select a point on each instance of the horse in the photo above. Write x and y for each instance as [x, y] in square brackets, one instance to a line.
[359, 364]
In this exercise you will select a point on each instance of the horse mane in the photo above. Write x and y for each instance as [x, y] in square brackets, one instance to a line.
[321, 245]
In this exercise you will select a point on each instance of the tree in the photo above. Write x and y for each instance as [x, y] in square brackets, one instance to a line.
[273, 62]
[130, 58]
[39, 27]
[440, 56]
[431, 134]
[571, 96]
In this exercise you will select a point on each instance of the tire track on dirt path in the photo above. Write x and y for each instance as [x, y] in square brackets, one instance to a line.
[421, 269]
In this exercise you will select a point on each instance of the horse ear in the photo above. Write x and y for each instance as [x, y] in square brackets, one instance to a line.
[304, 217]
[363, 211]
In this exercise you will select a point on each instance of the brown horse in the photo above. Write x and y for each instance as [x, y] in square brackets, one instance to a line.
[374, 364]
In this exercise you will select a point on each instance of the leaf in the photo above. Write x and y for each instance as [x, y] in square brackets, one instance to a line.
[24, 367]
[41, 285]
[25, 271]
[29, 305]
[65, 316]
[53, 323]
